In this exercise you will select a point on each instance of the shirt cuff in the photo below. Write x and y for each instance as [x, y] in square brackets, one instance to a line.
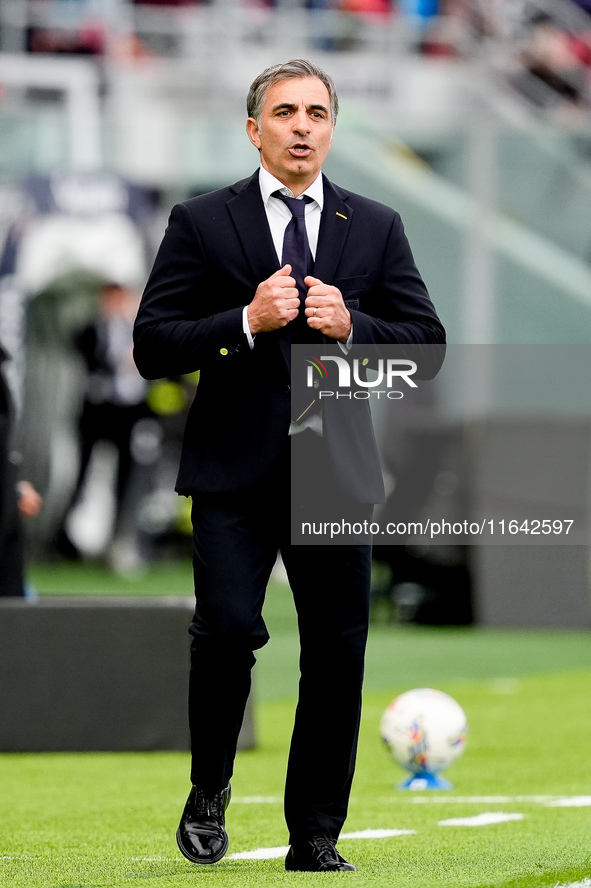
[346, 346]
[246, 327]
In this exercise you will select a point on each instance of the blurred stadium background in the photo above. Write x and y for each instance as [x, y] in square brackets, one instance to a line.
[472, 118]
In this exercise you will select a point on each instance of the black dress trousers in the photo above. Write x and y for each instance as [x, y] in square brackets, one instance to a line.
[236, 541]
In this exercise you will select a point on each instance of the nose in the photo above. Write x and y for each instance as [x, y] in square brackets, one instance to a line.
[301, 124]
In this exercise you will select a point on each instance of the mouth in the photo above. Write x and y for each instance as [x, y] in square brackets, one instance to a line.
[300, 149]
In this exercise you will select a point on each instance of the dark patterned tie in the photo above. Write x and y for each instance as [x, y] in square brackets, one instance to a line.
[297, 253]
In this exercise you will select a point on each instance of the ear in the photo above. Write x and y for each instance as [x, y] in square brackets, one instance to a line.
[252, 128]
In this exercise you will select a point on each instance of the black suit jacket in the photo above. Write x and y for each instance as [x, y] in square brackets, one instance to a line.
[216, 250]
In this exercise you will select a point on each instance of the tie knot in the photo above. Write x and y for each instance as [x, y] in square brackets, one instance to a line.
[296, 205]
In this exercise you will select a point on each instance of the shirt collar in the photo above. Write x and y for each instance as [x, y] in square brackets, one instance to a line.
[269, 184]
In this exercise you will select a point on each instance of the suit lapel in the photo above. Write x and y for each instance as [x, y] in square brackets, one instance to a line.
[250, 220]
[334, 229]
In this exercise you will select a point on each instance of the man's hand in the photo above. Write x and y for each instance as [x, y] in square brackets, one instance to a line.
[29, 501]
[326, 311]
[276, 302]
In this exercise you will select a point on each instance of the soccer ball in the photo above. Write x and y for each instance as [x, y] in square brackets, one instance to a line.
[425, 730]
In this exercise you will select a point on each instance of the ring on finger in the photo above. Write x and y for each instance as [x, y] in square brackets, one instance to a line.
[315, 312]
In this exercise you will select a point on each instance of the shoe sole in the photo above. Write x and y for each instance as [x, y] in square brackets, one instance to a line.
[200, 860]
[335, 869]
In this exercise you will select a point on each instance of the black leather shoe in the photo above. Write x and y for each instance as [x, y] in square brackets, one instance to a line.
[201, 835]
[317, 855]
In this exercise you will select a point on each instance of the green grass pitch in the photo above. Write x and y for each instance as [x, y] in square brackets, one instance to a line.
[108, 820]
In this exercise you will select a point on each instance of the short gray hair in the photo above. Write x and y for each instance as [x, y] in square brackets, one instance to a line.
[294, 68]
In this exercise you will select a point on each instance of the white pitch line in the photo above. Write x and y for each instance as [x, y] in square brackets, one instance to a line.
[20, 857]
[281, 851]
[378, 833]
[586, 883]
[571, 802]
[257, 800]
[483, 800]
[260, 854]
[486, 819]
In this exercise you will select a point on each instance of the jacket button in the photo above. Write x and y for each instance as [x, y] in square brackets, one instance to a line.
[223, 351]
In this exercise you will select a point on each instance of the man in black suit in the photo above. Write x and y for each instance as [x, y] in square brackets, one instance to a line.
[18, 499]
[226, 296]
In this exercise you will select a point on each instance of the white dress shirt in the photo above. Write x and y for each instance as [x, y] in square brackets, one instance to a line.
[279, 216]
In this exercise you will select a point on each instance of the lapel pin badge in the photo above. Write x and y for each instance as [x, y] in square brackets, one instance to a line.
[341, 215]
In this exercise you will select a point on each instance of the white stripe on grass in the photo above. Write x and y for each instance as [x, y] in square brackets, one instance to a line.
[485, 800]
[378, 833]
[552, 801]
[281, 851]
[257, 800]
[260, 854]
[486, 819]
[586, 883]
[572, 802]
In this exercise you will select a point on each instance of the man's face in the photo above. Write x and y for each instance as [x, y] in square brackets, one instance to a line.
[295, 131]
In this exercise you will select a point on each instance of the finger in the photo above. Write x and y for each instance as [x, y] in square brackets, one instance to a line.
[288, 312]
[281, 272]
[320, 300]
[288, 282]
[314, 298]
[287, 293]
[318, 290]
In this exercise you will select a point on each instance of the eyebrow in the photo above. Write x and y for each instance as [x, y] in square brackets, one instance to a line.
[290, 106]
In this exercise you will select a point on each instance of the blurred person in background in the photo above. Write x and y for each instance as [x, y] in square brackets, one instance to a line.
[18, 499]
[114, 398]
[553, 59]
[230, 291]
